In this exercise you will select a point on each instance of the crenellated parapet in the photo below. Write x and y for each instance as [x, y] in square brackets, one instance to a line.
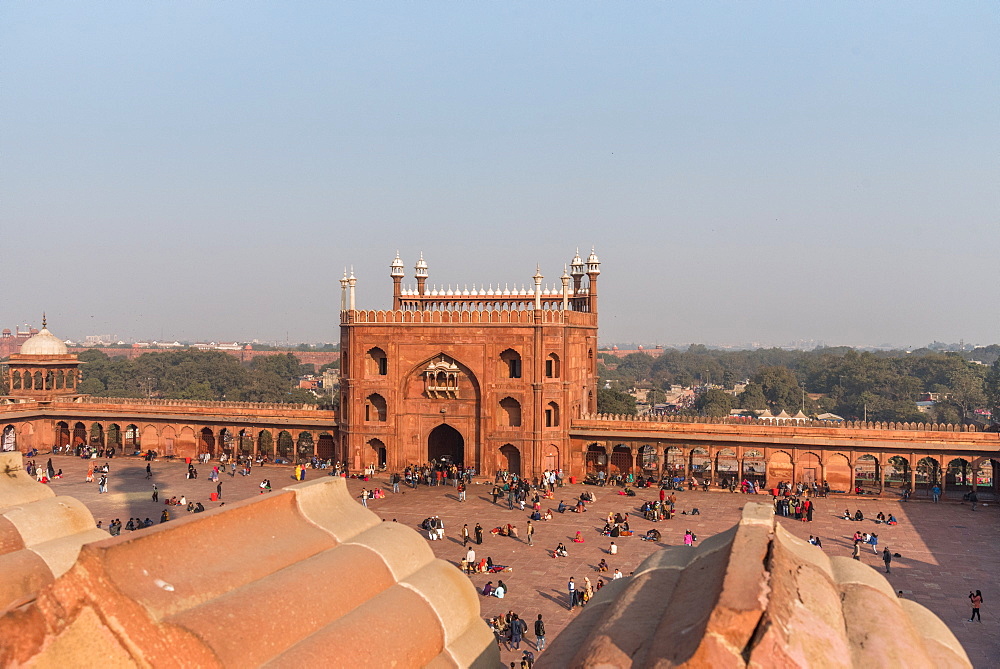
[452, 317]
[780, 422]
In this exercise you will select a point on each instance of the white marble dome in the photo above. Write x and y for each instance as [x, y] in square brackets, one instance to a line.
[44, 343]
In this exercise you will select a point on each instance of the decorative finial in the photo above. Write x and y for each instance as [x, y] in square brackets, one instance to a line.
[43, 320]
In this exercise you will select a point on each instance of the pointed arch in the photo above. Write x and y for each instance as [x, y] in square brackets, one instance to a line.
[510, 412]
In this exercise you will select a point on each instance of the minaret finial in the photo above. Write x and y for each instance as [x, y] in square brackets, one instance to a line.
[43, 320]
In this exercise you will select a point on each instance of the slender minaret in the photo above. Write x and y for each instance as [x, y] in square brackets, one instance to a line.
[421, 274]
[396, 272]
[593, 270]
[577, 270]
[565, 278]
[344, 281]
[538, 288]
[351, 281]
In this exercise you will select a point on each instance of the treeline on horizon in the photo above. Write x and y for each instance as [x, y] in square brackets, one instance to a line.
[196, 375]
[884, 385]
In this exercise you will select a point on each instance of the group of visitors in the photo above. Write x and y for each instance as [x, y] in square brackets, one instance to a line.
[434, 527]
[510, 629]
[879, 517]
[46, 473]
[794, 507]
[807, 490]
[115, 526]
[91, 452]
[616, 525]
[747, 486]
[579, 596]
[433, 474]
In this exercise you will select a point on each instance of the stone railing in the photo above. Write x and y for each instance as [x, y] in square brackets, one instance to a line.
[785, 422]
[515, 317]
[134, 401]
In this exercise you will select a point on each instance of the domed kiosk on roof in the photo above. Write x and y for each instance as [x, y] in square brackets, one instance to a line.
[43, 369]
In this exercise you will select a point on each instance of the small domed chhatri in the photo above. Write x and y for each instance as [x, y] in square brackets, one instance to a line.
[42, 370]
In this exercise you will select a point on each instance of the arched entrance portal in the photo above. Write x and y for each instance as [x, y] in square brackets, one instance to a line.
[444, 441]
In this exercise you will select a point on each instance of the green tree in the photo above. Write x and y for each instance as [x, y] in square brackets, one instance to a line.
[615, 401]
[992, 390]
[714, 402]
[781, 388]
[656, 396]
[752, 398]
[965, 390]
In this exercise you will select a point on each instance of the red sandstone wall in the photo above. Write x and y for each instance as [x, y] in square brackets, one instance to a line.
[411, 340]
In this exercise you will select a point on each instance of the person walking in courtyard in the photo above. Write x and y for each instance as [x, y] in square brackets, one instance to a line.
[465, 535]
[857, 550]
[936, 493]
[571, 588]
[479, 534]
[470, 559]
[102, 484]
[539, 633]
[529, 532]
[517, 630]
[149, 472]
[977, 600]
[886, 558]
[156, 494]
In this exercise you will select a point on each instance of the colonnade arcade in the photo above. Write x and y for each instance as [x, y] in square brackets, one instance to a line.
[60, 377]
[871, 472]
[290, 444]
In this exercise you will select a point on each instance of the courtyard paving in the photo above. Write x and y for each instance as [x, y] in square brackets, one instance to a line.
[947, 549]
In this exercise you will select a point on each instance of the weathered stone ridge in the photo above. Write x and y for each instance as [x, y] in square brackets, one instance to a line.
[193, 592]
[754, 596]
[40, 533]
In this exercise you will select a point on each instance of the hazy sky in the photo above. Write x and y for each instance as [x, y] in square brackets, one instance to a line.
[748, 172]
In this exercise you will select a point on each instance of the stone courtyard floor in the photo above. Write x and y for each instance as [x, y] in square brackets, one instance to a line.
[947, 549]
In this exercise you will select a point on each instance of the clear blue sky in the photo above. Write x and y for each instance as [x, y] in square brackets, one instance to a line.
[747, 171]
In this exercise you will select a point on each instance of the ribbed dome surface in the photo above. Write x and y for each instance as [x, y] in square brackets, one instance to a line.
[44, 343]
